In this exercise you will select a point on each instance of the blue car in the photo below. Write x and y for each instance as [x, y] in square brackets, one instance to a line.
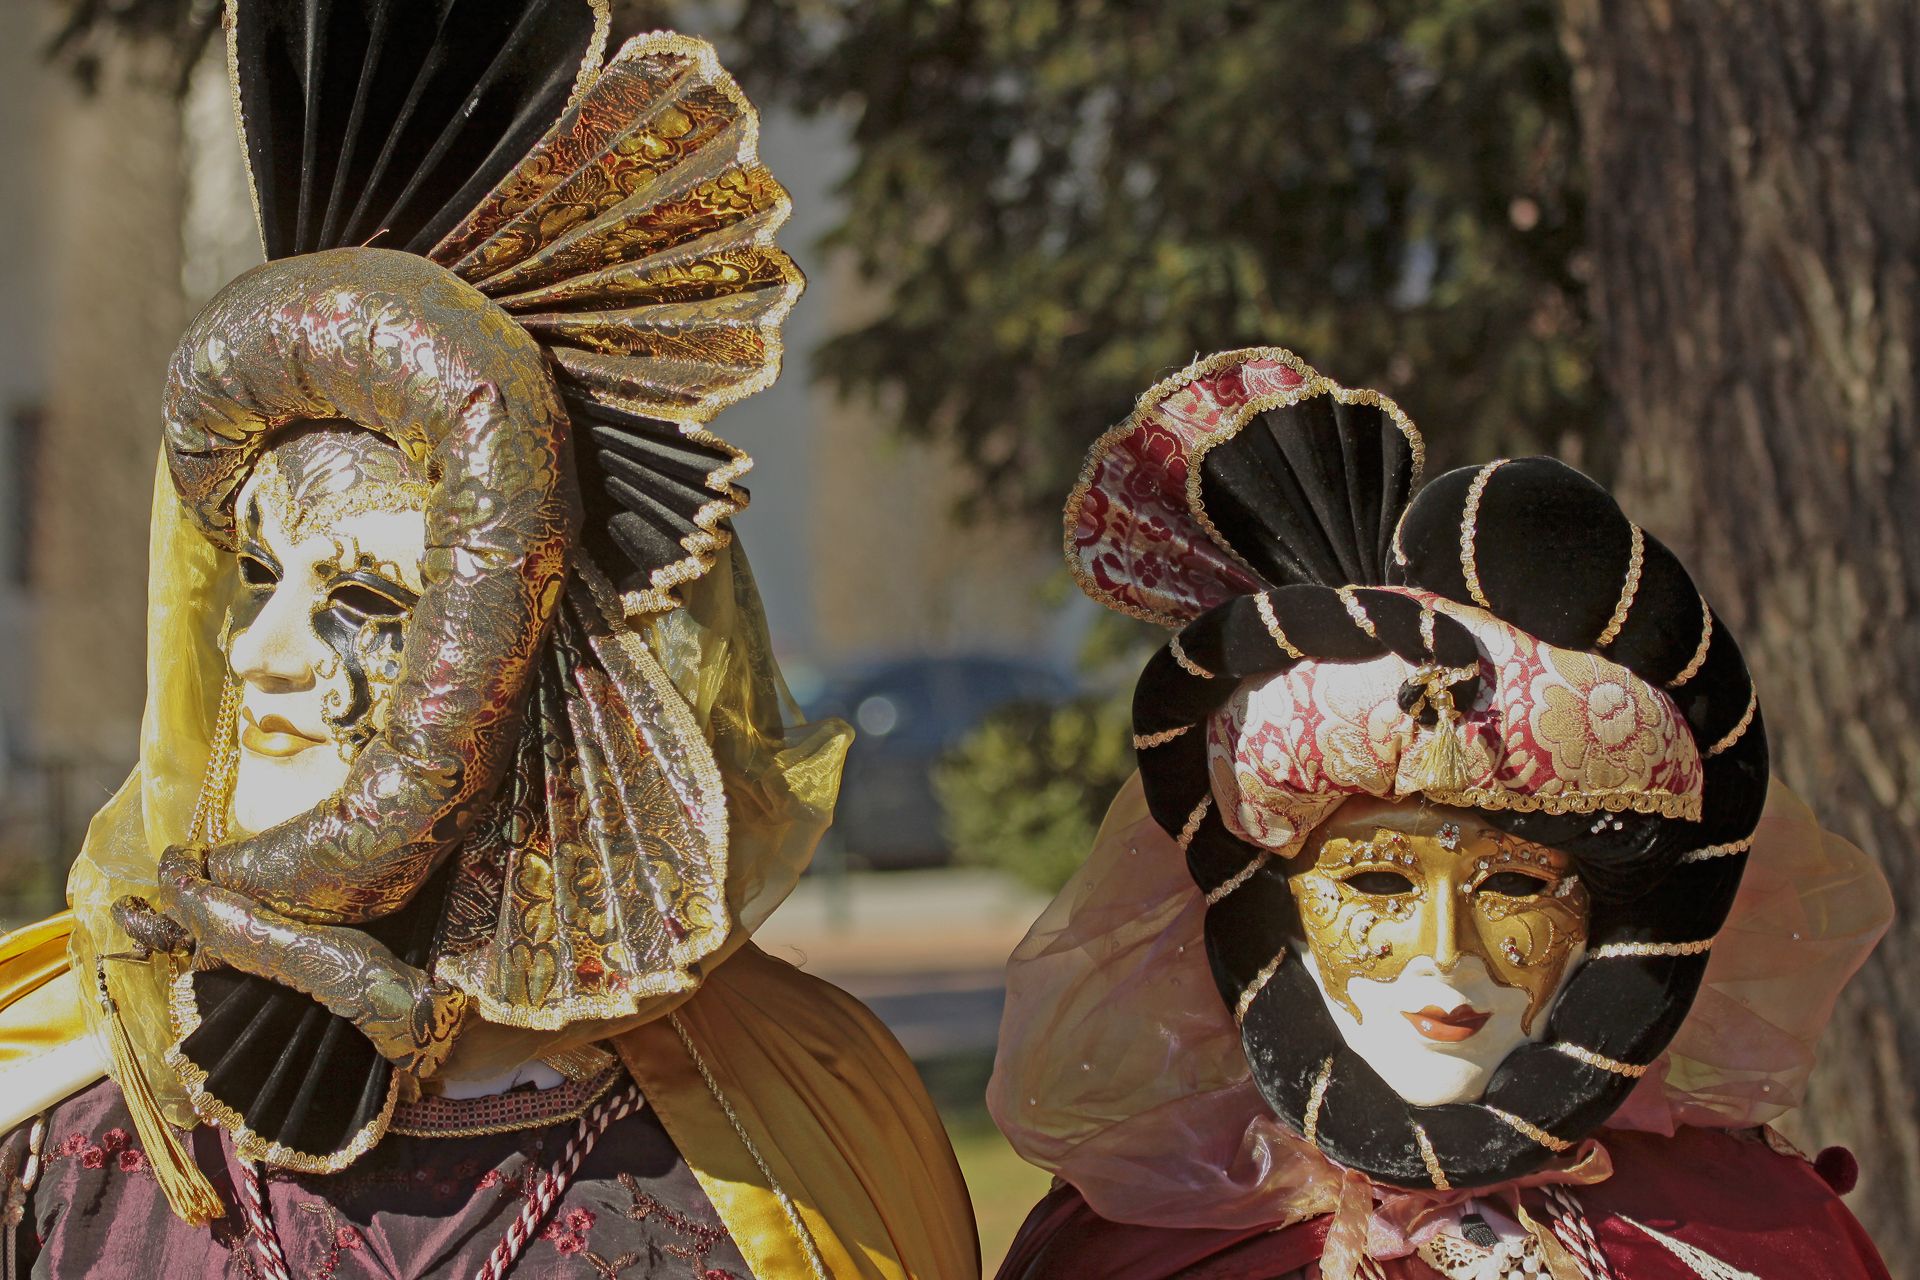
[907, 713]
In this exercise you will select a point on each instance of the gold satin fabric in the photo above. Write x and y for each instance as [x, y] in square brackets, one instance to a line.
[833, 1110]
[39, 1004]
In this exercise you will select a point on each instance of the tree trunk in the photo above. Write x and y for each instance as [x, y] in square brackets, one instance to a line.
[1755, 212]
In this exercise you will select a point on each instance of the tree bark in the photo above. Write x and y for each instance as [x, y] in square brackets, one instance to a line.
[1755, 217]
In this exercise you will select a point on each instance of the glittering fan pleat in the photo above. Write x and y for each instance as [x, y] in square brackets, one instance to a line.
[594, 873]
[384, 121]
[636, 244]
[289, 1077]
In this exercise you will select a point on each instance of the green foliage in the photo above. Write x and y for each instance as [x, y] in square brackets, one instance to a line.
[1026, 791]
[1062, 201]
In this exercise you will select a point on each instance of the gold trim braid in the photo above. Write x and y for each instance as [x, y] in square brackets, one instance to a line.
[1635, 561]
[1469, 528]
[1264, 603]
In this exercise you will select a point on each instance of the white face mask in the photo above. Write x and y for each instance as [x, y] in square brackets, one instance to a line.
[1438, 942]
[330, 570]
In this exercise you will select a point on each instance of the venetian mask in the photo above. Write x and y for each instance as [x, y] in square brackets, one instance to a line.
[1438, 942]
[330, 538]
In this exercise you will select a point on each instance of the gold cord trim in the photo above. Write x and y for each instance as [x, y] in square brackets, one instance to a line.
[1531, 1130]
[1427, 619]
[1264, 603]
[1431, 1159]
[1145, 741]
[1699, 658]
[1726, 850]
[1240, 877]
[1600, 1060]
[1631, 587]
[1469, 521]
[1187, 664]
[1617, 950]
[1358, 612]
[1739, 731]
[1259, 984]
[808, 1247]
[1194, 819]
[1315, 1097]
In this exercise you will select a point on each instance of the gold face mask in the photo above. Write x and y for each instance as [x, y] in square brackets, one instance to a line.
[1387, 881]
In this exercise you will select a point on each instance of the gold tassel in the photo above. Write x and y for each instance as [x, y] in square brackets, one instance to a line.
[189, 1194]
[1441, 765]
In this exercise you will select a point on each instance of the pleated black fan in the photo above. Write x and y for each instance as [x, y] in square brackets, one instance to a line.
[620, 215]
[296, 1084]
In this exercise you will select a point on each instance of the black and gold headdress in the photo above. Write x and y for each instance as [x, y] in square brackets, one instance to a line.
[1267, 515]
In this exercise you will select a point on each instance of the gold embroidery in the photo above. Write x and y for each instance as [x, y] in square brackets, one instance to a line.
[1187, 664]
[1315, 1097]
[1615, 950]
[1145, 741]
[1628, 590]
[1431, 1159]
[1264, 603]
[1469, 520]
[1531, 1130]
[1358, 612]
[1600, 1060]
[1699, 658]
[581, 1063]
[1739, 730]
[1259, 984]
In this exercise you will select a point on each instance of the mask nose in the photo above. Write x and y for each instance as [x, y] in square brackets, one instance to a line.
[1448, 920]
[276, 653]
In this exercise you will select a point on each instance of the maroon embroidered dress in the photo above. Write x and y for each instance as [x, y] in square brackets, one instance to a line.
[433, 1199]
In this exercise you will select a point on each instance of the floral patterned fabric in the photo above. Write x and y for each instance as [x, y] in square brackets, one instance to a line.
[1138, 536]
[1553, 729]
[415, 1207]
